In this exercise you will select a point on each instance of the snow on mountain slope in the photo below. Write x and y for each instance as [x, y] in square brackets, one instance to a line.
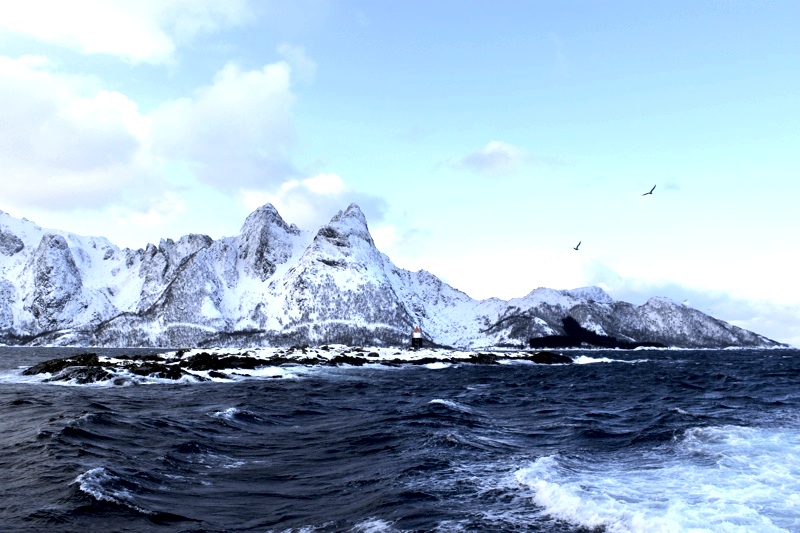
[274, 284]
[340, 290]
[54, 279]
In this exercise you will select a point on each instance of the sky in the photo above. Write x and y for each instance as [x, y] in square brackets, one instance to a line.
[482, 140]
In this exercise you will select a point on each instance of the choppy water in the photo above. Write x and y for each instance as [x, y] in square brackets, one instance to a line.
[625, 441]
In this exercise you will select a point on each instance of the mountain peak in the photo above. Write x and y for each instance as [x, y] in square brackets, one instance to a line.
[350, 222]
[593, 293]
[354, 211]
[265, 241]
[266, 215]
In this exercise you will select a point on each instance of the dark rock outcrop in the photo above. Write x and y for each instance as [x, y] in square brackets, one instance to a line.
[577, 336]
[57, 282]
[53, 366]
[10, 244]
[548, 358]
[89, 368]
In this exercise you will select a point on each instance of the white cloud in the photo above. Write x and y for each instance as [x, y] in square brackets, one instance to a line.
[66, 141]
[142, 31]
[327, 184]
[495, 159]
[234, 133]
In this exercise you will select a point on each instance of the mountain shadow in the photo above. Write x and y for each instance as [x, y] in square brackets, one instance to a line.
[576, 336]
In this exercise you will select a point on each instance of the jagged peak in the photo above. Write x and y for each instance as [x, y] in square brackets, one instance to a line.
[352, 211]
[189, 239]
[186, 245]
[351, 221]
[266, 216]
[265, 241]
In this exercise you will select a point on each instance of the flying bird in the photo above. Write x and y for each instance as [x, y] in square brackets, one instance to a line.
[651, 191]
[578, 245]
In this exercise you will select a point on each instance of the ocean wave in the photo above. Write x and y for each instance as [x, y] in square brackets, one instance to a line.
[726, 478]
[105, 486]
[227, 414]
[373, 525]
[451, 405]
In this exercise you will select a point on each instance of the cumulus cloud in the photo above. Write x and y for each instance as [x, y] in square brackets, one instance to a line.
[237, 132]
[310, 203]
[495, 159]
[67, 143]
[144, 31]
[65, 140]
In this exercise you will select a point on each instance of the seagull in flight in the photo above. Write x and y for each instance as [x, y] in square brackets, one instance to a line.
[578, 245]
[651, 191]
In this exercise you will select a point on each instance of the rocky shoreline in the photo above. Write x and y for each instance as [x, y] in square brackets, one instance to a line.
[207, 365]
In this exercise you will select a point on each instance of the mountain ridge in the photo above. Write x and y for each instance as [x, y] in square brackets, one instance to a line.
[274, 284]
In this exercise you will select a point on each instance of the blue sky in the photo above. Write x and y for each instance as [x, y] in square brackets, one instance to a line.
[483, 140]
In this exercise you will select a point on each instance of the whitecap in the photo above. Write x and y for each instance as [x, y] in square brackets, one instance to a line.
[268, 372]
[585, 360]
[731, 479]
[227, 414]
[450, 404]
[373, 525]
[104, 486]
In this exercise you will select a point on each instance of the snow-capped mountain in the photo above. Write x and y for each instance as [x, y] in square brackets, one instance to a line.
[274, 284]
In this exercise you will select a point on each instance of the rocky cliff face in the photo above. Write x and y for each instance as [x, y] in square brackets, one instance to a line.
[274, 284]
[57, 286]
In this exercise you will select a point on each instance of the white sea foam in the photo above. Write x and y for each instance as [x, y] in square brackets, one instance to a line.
[586, 360]
[455, 406]
[16, 376]
[227, 414]
[270, 372]
[98, 483]
[731, 479]
[373, 525]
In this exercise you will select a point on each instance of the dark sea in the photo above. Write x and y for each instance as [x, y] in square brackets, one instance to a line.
[646, 440]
